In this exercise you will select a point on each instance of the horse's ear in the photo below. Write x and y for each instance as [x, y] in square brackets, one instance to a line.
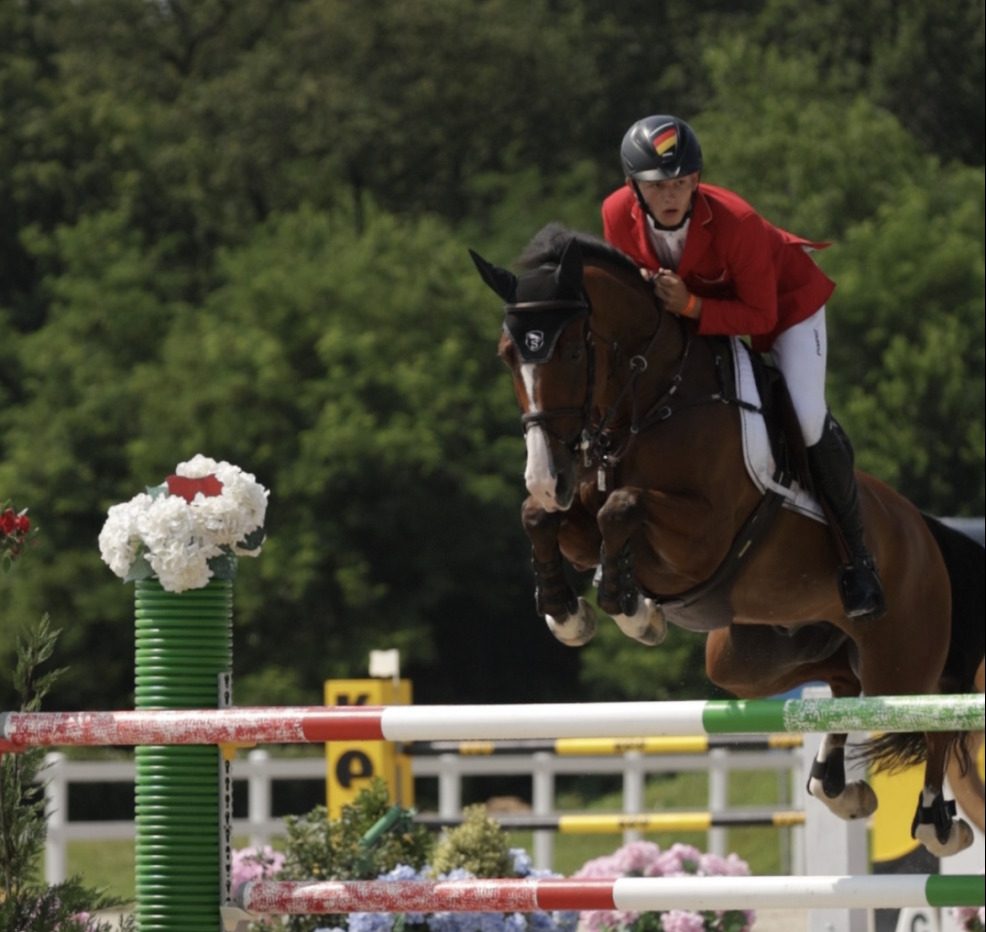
[502, 281]
[569, 271]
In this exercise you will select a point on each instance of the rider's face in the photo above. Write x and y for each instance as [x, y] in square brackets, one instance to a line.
[669, 200]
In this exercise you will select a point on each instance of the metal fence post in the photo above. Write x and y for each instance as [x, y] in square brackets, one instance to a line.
[718, 797]
[56, 812]
[258, 797]
[633, 791]
[449, 787]
[543, 802]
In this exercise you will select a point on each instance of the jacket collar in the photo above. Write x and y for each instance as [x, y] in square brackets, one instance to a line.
[699, 231]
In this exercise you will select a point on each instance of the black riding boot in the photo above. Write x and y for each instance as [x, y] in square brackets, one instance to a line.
[831, 464]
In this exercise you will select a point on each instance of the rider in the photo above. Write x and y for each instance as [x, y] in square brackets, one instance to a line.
[713, 258]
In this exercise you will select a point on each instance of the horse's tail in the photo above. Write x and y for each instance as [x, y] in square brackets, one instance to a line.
[963, 671]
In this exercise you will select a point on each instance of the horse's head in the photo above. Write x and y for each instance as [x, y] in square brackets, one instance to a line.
[545, 345]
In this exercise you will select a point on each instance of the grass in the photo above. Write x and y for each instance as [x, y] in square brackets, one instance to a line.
[109, 865]
[105, 865]
[763, 848]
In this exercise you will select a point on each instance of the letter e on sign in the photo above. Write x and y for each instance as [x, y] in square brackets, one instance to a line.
[353, 765]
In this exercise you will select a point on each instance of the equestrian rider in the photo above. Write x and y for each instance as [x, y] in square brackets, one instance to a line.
[713, 258]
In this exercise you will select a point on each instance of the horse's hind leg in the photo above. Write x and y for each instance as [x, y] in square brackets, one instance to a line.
[916, 670]
[758, 660]
[639, 618]
[936, 824]
[963, 774]
[570, 619]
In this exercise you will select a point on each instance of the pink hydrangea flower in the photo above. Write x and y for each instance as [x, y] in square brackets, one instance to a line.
[646, 859]
[255, 864]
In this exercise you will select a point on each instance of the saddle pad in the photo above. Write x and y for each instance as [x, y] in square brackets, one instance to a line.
[757, 453]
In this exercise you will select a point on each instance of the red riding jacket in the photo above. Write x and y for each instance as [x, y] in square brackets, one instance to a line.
[753, 278]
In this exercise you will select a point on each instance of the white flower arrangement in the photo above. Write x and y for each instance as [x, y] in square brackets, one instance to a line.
[189, 529]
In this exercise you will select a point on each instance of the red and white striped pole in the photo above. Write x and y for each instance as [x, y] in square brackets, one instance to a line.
[304, 724]
[635, 894]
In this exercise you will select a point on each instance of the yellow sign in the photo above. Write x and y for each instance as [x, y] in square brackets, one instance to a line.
[352, 765]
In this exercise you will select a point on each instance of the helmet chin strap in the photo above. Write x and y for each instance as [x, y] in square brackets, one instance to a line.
[648, 213]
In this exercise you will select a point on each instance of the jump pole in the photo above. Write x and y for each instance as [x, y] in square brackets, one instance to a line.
[614, 823]
[603, 747]
[307, 724]
[635, 894]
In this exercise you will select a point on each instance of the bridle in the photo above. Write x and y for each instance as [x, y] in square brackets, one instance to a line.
[593, 439]
[575, 308]
[598, 451]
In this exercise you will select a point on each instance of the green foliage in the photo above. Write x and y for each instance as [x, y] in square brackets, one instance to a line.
[333, 849]
[618, 668]
[22, 814]
[811, 156]
[355, 375]
[907, 341]
[924, 64]
[477, 845]
[25, 904]
[241, 230]
[321, 848]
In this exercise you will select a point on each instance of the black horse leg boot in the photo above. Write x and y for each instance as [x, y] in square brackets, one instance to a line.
[831, 464]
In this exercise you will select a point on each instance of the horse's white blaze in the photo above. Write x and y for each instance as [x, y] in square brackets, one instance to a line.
[538, 477]
[539, 474]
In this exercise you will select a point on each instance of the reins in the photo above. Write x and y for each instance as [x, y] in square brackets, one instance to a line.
[597, 449]
[597, 441]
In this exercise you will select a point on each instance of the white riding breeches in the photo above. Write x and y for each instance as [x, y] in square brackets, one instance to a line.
[799, 353]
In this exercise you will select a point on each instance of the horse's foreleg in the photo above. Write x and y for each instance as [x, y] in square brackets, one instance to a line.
[638, 617]
[569, 618]
[936, 823]
[827, 782]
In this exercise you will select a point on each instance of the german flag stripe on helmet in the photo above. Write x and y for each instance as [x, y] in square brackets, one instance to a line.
[665, 140]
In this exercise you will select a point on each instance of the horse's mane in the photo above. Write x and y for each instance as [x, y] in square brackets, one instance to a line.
[548, 244]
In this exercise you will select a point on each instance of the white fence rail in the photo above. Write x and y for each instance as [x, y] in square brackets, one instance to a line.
[260, 771]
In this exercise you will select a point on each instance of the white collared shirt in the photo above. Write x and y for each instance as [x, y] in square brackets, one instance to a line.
[668, 244]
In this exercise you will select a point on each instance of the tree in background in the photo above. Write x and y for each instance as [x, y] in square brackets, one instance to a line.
[923, 64]
[27, 905]
[241, 229]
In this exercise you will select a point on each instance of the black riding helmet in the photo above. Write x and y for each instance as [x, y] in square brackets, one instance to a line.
[660, 147]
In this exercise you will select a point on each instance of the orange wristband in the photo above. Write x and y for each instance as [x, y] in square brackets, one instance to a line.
[689, 310]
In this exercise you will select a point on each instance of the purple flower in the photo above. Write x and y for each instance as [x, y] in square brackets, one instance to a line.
[370, 922]
[523, 865]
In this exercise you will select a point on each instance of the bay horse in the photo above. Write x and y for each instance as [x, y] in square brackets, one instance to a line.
[635, 467]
